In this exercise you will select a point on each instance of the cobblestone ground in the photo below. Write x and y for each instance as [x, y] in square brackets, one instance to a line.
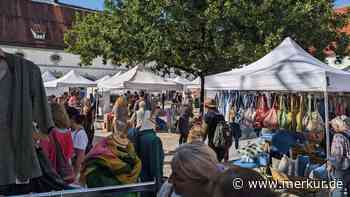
[170, 143]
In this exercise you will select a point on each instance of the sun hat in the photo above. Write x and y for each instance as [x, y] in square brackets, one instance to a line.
[210, 103]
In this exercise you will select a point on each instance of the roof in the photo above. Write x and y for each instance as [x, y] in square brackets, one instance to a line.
[344, 10]
[288, 67]
[36, 24]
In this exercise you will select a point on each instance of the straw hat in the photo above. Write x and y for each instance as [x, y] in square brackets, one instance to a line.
[210, 103]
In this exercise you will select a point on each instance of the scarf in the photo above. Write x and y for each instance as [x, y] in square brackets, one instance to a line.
[122, 162]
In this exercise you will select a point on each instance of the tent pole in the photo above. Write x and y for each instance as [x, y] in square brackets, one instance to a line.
[326, 111]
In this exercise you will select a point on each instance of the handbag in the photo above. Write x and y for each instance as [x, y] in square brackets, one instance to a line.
[282, 114]
[300, 114]
[291, 116]
[271, 119]
[260, 112]
[315, 122]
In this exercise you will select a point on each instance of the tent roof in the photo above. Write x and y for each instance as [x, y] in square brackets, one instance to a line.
[103, 79]
[71, 79]
[180, 80]
[196, 83]
[288, 67]
[138, 78]
[110, 80]
[48, 76]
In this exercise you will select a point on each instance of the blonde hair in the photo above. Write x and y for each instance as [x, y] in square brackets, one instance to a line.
[121, 102]
[60, 116]
[341, 123]
[87, 102]
[196, 133]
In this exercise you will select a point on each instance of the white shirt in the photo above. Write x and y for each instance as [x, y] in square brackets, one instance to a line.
[80, 139]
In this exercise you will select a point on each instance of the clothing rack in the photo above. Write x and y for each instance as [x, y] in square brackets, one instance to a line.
[101, 191]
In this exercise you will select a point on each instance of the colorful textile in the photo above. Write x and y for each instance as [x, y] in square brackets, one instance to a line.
[111, 164]
[340, 148]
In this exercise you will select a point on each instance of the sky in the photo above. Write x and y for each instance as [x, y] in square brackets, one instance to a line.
[98, 4]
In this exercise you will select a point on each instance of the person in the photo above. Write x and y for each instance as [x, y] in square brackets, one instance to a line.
[58, 147]
[211, 119]
[88, 121]
[339, 162]
[80, 139]
[120, 112]
[73, 102]
[236, 132]
[140, 98]
[223, 183]
[196, 134]
[148, 146]
[194, 168]
[184, 123]
[113, 161]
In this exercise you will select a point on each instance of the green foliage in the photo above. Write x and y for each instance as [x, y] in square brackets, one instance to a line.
[204, 36]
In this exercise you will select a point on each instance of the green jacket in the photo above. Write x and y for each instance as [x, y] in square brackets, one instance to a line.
[150, 150]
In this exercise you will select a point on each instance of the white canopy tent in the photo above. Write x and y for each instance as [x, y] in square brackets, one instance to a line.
[195, 84]
[72, 80]
[139, 79]
[48, 76]
[286, 68]
[110, 80]
[103, 79]
[180, 80]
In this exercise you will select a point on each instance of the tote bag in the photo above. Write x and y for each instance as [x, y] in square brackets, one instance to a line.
[271, 119]
[260, 112]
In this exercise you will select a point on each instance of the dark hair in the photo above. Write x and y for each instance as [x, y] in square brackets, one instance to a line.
[75, 115]
[223, 184]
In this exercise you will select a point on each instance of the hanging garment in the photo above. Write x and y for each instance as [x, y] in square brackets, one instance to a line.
[27, 102]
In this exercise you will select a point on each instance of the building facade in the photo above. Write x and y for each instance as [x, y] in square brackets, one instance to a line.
[35, 29]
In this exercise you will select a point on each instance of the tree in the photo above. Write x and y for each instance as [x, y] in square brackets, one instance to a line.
[204, 37]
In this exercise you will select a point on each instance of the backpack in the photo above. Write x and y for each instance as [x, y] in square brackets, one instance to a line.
[221, 135]
[64, 167]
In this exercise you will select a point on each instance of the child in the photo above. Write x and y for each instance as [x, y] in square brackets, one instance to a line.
[59, 146]
[80, 139]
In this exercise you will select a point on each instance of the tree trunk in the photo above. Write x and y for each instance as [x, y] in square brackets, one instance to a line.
[202, 95]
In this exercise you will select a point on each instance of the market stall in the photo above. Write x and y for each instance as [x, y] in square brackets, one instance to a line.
[139, 79]
[72, 79]
[288, 89]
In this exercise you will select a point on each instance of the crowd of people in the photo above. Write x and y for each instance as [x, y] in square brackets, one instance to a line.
[134, 153]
